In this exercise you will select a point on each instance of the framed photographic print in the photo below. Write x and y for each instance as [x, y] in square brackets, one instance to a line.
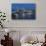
[24, 11]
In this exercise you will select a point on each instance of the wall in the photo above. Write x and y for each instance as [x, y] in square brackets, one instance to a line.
[5, 5]
[25, 26]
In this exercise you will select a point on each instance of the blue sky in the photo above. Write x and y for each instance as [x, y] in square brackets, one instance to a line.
[20, 6]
